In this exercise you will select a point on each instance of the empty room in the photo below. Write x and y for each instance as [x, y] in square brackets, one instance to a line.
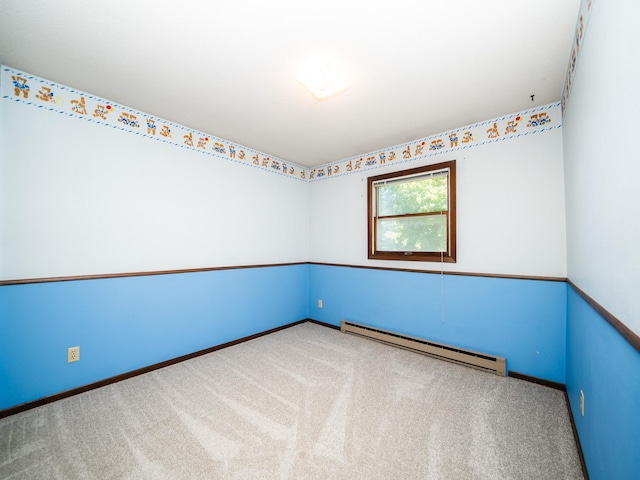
[346, 240]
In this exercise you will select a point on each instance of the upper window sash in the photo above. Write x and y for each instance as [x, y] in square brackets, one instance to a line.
[391, 200]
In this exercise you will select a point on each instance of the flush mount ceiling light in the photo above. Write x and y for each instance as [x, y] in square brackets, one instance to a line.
[322, 77]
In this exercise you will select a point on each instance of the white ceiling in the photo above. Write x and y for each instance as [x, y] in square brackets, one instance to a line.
[227, 68]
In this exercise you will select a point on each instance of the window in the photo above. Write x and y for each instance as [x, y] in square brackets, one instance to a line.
[412, 214]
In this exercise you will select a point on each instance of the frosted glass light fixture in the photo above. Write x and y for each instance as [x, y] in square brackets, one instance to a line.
[322, 77]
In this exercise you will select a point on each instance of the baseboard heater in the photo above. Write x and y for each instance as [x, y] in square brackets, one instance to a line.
[481, 361]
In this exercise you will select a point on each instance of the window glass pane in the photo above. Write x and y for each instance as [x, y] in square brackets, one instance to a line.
[412, 234]
[413, 196]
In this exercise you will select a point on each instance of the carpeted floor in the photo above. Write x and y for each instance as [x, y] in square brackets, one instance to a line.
[307, 402]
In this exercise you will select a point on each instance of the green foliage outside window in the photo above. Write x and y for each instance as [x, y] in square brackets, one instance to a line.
[413, 233]
[414, 196]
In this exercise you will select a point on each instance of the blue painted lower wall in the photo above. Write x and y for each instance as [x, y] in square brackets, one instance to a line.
[602, 364]
[122, 324]
[543, 328]
[522, 320]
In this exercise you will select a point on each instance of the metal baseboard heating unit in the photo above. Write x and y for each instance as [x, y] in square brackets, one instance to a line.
[481, 361]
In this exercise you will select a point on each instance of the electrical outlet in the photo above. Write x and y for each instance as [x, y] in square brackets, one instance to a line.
[319, 303]
[73, 354]
[582, 402]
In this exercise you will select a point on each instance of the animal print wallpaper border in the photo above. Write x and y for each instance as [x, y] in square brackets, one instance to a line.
[583, 19]
[508, 127]
[35, 91]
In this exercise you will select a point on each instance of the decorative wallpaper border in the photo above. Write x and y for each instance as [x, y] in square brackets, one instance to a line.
[536, 120]
[32, 90]
[35, 91]
[583, 20]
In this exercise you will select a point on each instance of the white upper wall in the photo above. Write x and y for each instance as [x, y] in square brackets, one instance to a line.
[79, 198]
[510, 209]
[601, 160]
[82, 198]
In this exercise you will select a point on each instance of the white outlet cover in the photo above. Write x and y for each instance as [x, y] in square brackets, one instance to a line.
[73, 354]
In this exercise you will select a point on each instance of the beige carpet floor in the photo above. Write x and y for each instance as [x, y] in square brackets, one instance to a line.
[307, 402]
